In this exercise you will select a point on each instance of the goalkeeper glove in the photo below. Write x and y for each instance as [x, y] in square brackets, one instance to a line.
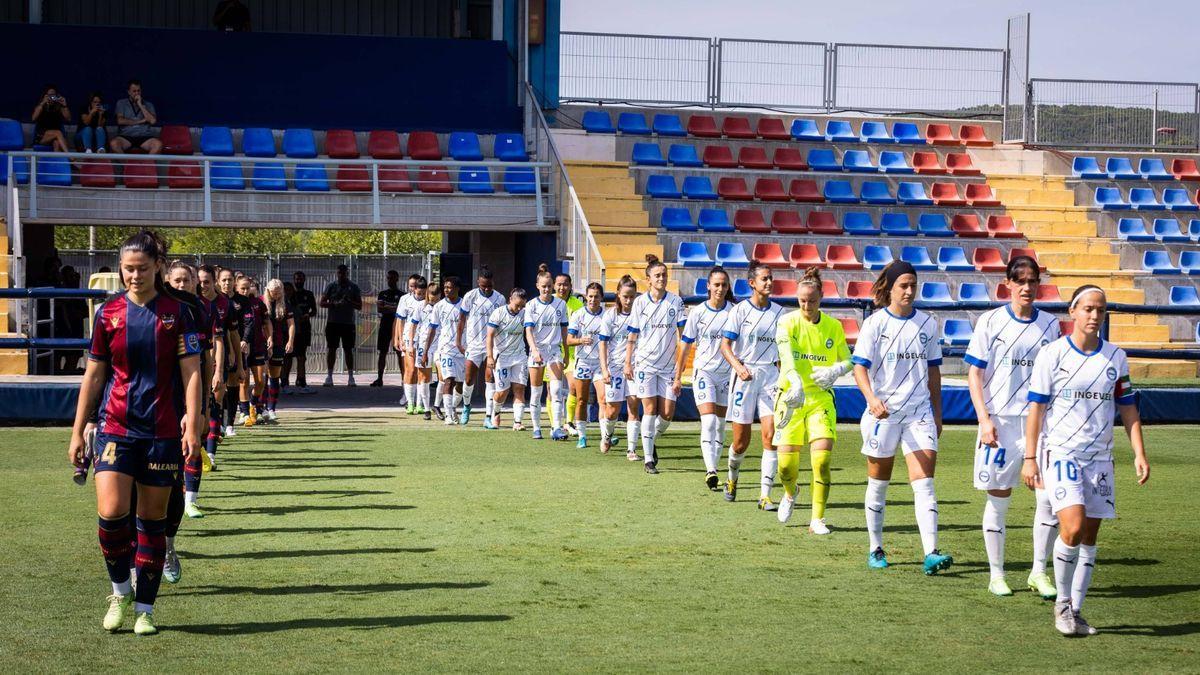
[825, 377]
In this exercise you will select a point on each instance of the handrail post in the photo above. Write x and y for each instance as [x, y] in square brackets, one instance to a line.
[537, 192]
[207, 191]
[33, 186]
[375, 218]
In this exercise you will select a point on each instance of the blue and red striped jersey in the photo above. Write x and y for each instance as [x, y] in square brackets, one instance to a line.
[279, 329]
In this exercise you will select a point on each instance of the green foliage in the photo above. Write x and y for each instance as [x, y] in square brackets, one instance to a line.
[371, 242]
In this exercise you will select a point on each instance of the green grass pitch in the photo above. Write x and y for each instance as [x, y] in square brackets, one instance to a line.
[367, 542]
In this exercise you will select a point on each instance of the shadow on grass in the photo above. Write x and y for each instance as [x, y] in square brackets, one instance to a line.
[223, 494]
[237, 452]
[362, 623]
[1149, 591]
[284, 465]
[302, 553]
[311, 438]
[355, 476]
[1148, 630]
[349, 589]
[302, 508]
[890, 503]
[316, 529]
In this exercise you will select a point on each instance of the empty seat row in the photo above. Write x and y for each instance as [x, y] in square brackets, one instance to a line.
[463, 146]
[752, 221]
[773, 128]
[1167, 230]
[734, 188]
[1159, 262]
[790, 159]
[843, 257]
[1121, 168]
[1145, 199]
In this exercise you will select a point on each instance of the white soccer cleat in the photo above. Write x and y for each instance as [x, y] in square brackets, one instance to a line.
[818, 526]
[1064, 618]
[786, 505]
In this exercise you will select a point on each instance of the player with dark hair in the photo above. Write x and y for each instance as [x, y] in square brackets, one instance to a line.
[507, 358]
[583, 332]
[613, 336]
[546, 320]
[705, 329]
[477, 305]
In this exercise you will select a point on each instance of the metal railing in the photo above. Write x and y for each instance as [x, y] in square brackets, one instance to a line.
[635, 68]
[772, 73]
[1016, 79]
[899, 78]
[1113, 114]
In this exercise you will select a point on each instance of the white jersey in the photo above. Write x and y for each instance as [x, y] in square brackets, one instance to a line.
[585, 324]
[478, 307]
[1004, 347]
[752, 330]
[706, 328]
[1081, 392]
[422, 318]
[897, 353]
[404, 309]
[547, 320]
[614, 332]
[445, 321]
[655, 324]
[509, 341]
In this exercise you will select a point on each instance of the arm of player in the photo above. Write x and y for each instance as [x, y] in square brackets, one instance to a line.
[535, 354]
[862, 378]
[459, 327]
[1133, 427]
[491, 347]
[742, 371]
[189, 368]
[602, 351]
[1030, 471]
[987, 430]
[291, 324]
[90, 389]
[630, 347]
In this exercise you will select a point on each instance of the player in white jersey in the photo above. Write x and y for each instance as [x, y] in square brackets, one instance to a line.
[1077, 382]
[897, 366]
[476, 306]
[408, 302]
[583, 333]
[546, 330]
[448, 355]
[656, 319]
[749, 344]
[614, 334]
[1001, 353]
[507, 359]
[419, 321]
[704, 329]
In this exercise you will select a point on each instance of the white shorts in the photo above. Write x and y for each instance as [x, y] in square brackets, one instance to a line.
[507, 374]
[710, 387]
[915, 432]
[420, 358]
[477, 355]
[451, 366]
[755, 395]
[553, 355]
[586, 370]
[999, 468]
[617, 391]
[1090, 485]
[649, 384]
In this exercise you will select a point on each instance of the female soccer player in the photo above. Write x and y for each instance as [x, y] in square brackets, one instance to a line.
[141, 341]
[476, 306]
[705, 328]
[224, 333]
[655, 322]
[897, 366]
[1077, 380]
[1000, 355]
[227, 282]
[812, 355]
[546, 330]
[409, 304]
[420, 321]
[748, 344]
[450, 360]
[564, 289]
[583, 333]
[279, 343]
[613, 337]
[506, 357]
[256, 331]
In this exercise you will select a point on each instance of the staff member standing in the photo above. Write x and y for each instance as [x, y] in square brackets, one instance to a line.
[342, 298]
[386, 302]
[304, 306]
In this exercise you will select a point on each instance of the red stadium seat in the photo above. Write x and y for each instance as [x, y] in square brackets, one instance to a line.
[1002, 227]
[394, 179]
[772, 129]
[829, 289]
[788, 222]
[850, 328]
[823, 222]
[1048, 293]
[802, 256]
[770, 190]
[719, 157]
[141, 173]
[434, 179]
[176, 139]
[769, 254]
[1066, 326]
[927, 163]
[750, 221]
[1185, 169]
[703, 126]
[1002, 292]
[967, 225]
[353, 178]
[1014, 252]
[858, 290]
[97, 173]
[737, 127]
[946, 194]
[789, 159]
[384, 144]
[733, 189]
[987, 259]
[423, 145]
[959, 164]
[972, 135]
[940, 134]
[185, 175]
[751, 157]
[341, 144]
[803, 190]
[783, 288]
[841, 257]
[980, 194]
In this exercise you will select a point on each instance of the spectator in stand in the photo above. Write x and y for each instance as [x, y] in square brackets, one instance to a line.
[136, 118]
[304, 308]
[386, 302]
[91, 134]
[49, 115]
[342, 298]
[232, 15]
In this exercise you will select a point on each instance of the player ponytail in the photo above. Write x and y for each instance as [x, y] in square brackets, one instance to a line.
[276, 308]
[812, 277]
[148, 244]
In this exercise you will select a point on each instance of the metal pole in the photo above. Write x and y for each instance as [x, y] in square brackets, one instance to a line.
[33, 186]
[537, 192]
[91, 239]
[385, 243]
[207, 191]
[375, 219]
[1154, 123]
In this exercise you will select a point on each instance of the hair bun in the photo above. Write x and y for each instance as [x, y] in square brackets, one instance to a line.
[651, 258]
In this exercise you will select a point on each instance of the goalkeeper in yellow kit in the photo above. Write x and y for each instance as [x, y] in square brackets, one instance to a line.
[813, 354]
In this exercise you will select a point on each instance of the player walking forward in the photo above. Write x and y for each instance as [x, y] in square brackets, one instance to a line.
[614, 334]
[1001, 353]
[1077, 381]
[546, 330]
[451, 361]
[400, 342]
[583, 334]
[476, 306]
[507, 359]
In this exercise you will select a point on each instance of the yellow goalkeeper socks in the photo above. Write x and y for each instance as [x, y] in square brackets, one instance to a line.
[822, 476]
[789, 470]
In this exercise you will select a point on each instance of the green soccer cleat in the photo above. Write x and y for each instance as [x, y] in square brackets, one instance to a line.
[999, 587]
[144, 624]
[115, 616]
[193, 511]
[1042, 584]
[411, 410]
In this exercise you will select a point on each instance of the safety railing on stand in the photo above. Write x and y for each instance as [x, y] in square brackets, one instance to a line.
[1114, 114]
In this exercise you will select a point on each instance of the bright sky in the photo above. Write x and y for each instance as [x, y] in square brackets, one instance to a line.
[1086, 39]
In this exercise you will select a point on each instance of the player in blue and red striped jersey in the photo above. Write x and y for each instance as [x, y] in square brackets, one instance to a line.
[227, 284]
[255, 330]
[224, 332]
[144, 375]
[279, 343]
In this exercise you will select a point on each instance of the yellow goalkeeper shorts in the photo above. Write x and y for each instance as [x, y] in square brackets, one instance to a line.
[810, 422]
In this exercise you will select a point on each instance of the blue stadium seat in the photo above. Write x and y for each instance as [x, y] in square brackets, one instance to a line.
[823, 159]
[216, 141]
[698, 187]
[667, 124]
[684, 155]
[227, 176]
[598, 122]
[662, 187]
[953, 259]
[693, 254]
[806, 130]
[1110, 199]
[1144, 199]
[840, 131]
[1189, 262]
[299, 143]
[908, 133]
[918, 257]
[876, 257]
[701, 288]
[20, 170]
[1176, 199]
[1151, 168]
[510, 148]
[314, 178]
[715, 220]
[1133, 229]
[894, 161]
[840, 192]
[1119, 168]
[934, 291]
[520, 180]
[11, 135]
[53, 171]
[897, 225]
[970, 291]
[875, 132]
[741, 288]
[1158, 262]
[464, 146]
[956, 332]
[858, 161]
[1184, 295]
[1193, 230]
[913, 194]
[676, 219]
[877, 192]
[268, 176]
[1167, 230]
[1087, 167]
[934, 225]
[732, 255]
[475, 180]
[648, 154]
[859, 223]
[257, 142]
[632, 123]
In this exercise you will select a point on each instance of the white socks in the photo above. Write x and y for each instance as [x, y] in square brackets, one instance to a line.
[489, 395]
[661, 426]
[995, 510]
[456, 400]
[1083, 576]
[607, 428]
[468, 392]
[518, 411]
[555, 412]
[410, 393]
[448, 405]
[735, 463]
[874, 503]
[770, 462]
[648, 432]
[535, 407]
[189, 498]
[581, 427]
[632, 433]
[706, 443]
[1045, 531]
[1065, 559]
[925, 505]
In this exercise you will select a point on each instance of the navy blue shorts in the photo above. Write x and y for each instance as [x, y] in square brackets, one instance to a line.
[155, 462]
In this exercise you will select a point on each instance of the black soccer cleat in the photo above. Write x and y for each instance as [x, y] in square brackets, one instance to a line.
[712, 481]
[652, 468]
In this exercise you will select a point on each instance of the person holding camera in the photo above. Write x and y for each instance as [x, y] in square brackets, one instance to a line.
[49, 115]
[136, 118]
[92, 136]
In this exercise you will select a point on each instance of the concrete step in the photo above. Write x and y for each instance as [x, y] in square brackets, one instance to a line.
[1064, 262]
[617, 185]
[1134, 319]
[14, 362]
[1041, 228]
[1141, 369]
[630, 252]
[596, 169]
[1081, 245]
[1124, 333]
[1023, 196]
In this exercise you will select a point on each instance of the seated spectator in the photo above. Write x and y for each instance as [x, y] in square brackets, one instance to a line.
[232, 15]
[48, 118]
[136, 119]
[92, 136]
